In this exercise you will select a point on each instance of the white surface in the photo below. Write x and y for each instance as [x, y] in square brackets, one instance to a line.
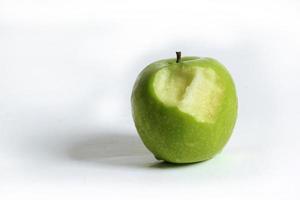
[66, 73]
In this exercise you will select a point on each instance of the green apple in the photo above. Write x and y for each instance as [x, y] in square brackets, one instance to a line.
[184, 109]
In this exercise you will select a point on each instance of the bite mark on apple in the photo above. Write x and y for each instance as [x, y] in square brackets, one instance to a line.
[193, 90]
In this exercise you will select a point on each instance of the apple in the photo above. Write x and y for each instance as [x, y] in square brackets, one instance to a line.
[184, 108]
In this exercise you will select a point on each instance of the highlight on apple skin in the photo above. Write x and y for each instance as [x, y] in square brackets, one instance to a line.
[184, 108]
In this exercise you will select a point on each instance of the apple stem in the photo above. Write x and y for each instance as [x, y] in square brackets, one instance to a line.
[178, 56]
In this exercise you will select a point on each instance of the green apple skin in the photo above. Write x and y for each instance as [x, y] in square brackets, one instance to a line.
[175, 136]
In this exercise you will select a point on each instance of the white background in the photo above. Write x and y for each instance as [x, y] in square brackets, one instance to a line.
[66, 74]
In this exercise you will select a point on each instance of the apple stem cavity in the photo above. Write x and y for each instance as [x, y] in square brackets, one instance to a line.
[178, 56]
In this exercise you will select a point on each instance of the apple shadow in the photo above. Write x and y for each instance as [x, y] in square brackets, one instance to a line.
[168, 165]
[114, 149]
